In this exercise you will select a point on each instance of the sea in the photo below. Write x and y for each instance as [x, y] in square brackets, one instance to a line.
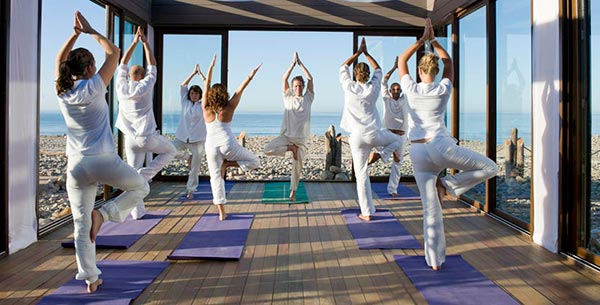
[472, 125]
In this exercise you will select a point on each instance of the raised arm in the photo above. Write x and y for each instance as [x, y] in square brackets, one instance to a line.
[131, 49]
[208, 79]
[370, 58]
[288, 72]
[150, 59]
[407, 54]
[448, 67]
[235, 99]
[309, 78]
[389, 74]
[63, 53]
[354, 56]
[189, 78]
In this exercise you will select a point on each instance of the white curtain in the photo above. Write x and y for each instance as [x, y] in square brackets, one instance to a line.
[22, 116]
[546, 94]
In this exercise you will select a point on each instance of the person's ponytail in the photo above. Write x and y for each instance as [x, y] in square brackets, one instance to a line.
[65, 78]
[76, 64]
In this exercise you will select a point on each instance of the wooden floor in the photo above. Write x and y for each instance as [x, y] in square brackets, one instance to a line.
[304, 254]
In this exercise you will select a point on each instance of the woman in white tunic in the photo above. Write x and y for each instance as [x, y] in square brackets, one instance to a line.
[136, 117]
[432, 148]
[191, 132]
[91, 154]
[222, 149]
[361, 119]
[295, 128]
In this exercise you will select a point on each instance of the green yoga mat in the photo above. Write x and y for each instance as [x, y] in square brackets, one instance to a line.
[278, 192]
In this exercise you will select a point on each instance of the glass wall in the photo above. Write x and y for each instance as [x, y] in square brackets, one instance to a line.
[593, 209]
[472, 87]
[446, 41]
[56, 26]
[513, 117]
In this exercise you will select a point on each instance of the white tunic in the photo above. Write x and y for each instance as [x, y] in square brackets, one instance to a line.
[219, 133]
[136, 116]
[191, 123]
[360, 111]
[394, 111]
[86, 115]
[426, 107]
[296, 116]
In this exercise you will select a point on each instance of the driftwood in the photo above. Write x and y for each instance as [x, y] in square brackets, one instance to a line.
[514, 154]
[333, 148]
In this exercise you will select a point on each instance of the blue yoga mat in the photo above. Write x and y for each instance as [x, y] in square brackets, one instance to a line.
[122, 235]
[123, 282]
[457, 283]
[204, 192]
[384, 231]
[404, 192]
[211, 238]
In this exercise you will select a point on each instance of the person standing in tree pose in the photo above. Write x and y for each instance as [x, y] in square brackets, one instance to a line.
[432, 148]
[222, 149]
[136, 117]
[295, 128]
[91, 154]
[361, 119]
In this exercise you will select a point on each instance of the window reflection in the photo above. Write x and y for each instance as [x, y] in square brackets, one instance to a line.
[593, 210]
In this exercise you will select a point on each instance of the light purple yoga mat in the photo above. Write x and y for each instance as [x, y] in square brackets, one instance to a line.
[204, 192]
[123, 282]
[384, 231]
[404, 192]
[457, 283]
[211, 238]
[122, 235]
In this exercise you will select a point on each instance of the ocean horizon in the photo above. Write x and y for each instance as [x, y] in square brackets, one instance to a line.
[269, 124]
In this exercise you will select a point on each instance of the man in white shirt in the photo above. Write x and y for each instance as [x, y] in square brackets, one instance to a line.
[136, 117]
[295, 127]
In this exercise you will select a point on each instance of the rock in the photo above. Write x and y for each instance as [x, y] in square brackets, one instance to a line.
[341, 177]
[334, 169]
[327, 175]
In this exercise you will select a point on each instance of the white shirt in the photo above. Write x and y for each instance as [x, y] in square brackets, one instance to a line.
[394, 111]
[136, 116]
[191, 124]
[360, 111]
[86, 115]
[426, 107]
[296, 115]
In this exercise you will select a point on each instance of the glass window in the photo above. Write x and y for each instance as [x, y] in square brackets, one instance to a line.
[513, 117]
[473, 83]
[593, 210]
[446, 41]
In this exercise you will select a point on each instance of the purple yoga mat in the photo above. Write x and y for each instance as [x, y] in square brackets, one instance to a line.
[211, 238]
[457, 283]
[123, 282]
[204, 192]
[404, 192]
[122, 235]
[384, 231]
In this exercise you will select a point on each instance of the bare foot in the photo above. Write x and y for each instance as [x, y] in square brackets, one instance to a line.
[92, 287]
[441, 190]
[222, 214]
[373, 157]
[294, 150]
[365, 218]
[293, 195]
[396, 158]
[436, 268]
[97, 221]
[394, 194]
[190, 195]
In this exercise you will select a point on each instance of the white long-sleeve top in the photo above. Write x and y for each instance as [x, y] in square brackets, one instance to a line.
[296, 115]
[191, 122]
[360, 111]
[136, 116]
[426, 107]
[394, 111]
[85, 111]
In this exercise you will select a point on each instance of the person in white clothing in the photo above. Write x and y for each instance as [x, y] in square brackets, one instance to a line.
[295, 128]
[191, 132]
[432, 148]
[136, 117]
[361, 119]
[91, 154]
[222, 149]
[394, 119]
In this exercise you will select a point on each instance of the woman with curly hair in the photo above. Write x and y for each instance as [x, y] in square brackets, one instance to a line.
[361, 120]
[222, 149]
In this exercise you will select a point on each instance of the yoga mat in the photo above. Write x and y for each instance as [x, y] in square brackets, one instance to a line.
[279, 192]
[123, 282]
[404, 192]
[204, 192]
[384, 231]
[457, 282]
[114, 235]
[211, 238]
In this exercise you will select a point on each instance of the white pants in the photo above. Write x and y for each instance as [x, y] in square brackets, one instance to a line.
[396, 168]
[361, 145]
[232, 151]
[136, 149]
[278, 147]
[197, 149]
[428, 160]
[83, 175]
